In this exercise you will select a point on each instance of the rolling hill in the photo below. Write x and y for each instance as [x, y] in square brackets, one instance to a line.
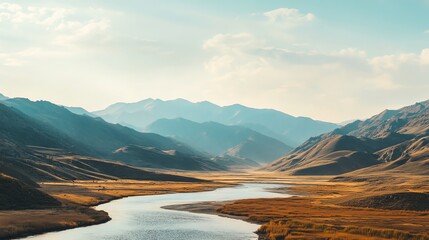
[38, 164]
[286, 128]
[394, 140]
[150, 157]
[221, 140]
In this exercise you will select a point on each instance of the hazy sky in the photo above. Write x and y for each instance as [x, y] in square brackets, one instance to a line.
[330, 60]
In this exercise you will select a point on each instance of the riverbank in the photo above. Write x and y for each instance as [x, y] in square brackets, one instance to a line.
[326, 208]
[78, 199]
[320, 212]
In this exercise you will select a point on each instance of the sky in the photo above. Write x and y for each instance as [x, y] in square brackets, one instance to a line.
[332, 60]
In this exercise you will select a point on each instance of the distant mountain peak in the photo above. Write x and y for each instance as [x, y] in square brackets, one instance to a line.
[181, 100]
[284, 127]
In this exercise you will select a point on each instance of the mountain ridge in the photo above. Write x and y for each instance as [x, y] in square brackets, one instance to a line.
[142, 113]
[218, 139]
[393, 140]
[93, 136]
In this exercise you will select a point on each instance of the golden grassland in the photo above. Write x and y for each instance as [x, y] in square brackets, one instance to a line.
[317, 215]
[91, 193]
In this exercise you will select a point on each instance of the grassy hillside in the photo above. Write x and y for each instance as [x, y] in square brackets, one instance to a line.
[394, 140]
[47, 164]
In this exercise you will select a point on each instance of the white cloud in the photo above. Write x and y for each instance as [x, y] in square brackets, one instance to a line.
[392, 61]
[263, 75]
[11, 7]
[63, 26]
[289, 17]
[48, 17]
[230, 41]
[91, 33]
[218, 63]
[424, 56]
[396, 61]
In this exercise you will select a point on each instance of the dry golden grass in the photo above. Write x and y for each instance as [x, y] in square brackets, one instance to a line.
[316, 215]
[28, 222]
[91, 193]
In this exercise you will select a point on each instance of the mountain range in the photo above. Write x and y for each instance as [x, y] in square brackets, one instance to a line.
[394, 140]
[275, 124]
[222, 140]
[45, 124]
[40, 147]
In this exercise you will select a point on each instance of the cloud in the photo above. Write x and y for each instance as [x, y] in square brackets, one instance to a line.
[230, 41]
[64, 26]
[348, 78]
[15, 13]
[90, 33]
[218, 63]
[289, 17]
[396, 61]
[424, 56]
[392, 61]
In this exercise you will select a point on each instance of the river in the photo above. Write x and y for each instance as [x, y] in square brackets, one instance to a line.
[143, 218]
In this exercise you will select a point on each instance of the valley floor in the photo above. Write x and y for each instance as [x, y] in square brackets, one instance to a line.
[322, 209]
[318, 211]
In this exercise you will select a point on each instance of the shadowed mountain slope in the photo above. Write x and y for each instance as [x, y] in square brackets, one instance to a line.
[218, 139]
[15, 195]
[95, 137]
[394, 140]
[155, 158]
[103, 137]
[286, 128]
[24, 130]
[38, 164]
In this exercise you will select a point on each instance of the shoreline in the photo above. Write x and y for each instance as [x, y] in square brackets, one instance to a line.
[87, 215]
[208, 207]
[318, 206]
[211, 208]
[318, 213]
[105, 218]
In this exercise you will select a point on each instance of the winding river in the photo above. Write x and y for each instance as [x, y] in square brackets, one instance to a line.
[143, 218]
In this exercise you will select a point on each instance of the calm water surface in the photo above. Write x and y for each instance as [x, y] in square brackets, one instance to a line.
[143, 218]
